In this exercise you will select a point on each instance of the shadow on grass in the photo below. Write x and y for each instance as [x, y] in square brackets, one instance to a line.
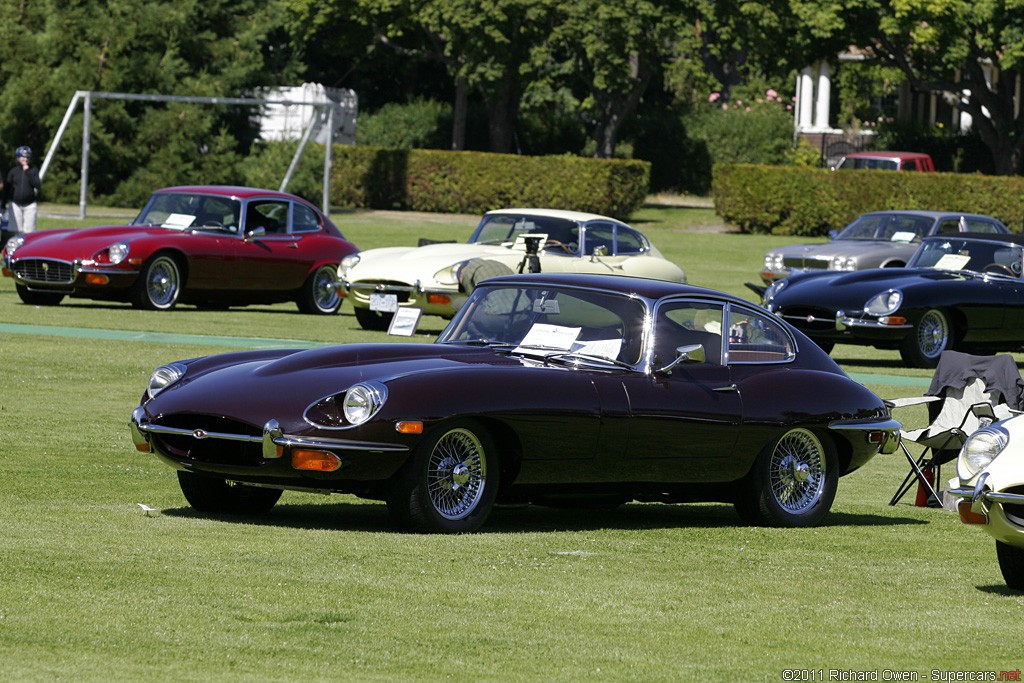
[527, 519]
[1000, 589]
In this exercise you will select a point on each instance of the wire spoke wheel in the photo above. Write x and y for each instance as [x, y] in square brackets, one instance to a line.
[159, 284]
[797, 471]
[456, 474]
[932, 334]
[319, 294]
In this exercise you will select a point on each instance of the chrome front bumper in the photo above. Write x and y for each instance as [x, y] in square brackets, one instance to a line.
[274, 441]
[980, 494]
[845, 322]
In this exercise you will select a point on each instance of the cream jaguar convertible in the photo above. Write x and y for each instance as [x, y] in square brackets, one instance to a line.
[990, 489]
[437, 278]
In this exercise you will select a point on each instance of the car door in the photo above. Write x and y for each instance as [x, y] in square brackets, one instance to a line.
[683, 423]
[275, 256]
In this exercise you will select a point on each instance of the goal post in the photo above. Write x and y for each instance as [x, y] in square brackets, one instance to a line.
[333, 111]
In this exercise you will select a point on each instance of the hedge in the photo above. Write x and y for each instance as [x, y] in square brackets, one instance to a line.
[475, 182]
[788, 200]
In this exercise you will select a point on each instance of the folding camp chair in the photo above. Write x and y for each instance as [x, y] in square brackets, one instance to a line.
[966, 393]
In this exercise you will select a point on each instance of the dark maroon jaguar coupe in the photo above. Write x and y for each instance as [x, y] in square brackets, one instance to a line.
[204, 245]
[547, 389]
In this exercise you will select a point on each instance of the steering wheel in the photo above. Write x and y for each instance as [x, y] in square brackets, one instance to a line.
[556, 243]
[1000, 267]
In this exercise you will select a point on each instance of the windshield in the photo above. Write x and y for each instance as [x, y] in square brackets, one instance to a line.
[499, 228]
[856, 163]
[981, 256]
[186, 211]
[888, 227]
[543, 320]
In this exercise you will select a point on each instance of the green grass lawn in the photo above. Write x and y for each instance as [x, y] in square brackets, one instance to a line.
[324, 589]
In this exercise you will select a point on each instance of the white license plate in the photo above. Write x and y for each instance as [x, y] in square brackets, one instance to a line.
[386, 303]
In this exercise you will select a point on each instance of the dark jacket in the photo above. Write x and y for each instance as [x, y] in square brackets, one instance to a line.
[21, 186]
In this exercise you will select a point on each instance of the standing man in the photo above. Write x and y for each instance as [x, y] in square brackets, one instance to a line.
[20, 191]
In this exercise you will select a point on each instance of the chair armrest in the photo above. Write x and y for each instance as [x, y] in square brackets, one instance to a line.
[910, 401]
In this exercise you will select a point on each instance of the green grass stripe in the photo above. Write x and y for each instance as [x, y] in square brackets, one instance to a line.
[159, 337]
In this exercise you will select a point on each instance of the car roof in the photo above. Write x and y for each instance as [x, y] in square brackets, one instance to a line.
[228, 191]
[1011, 238]
[885, 155]
[927, 214]
[644, 287]
[579, 216]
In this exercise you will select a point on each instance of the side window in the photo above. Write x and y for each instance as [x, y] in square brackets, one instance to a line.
[756, 338]
[599, 235]
[948, 228]
[304, 219]
[271, 215]
[976, 225]
[683, 323]
[630, 242]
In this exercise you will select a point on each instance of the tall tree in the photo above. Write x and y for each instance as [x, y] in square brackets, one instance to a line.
[611, 51]
[971, 51]
[225, 48]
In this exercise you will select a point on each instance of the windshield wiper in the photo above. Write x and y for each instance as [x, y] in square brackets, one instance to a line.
[570, 356]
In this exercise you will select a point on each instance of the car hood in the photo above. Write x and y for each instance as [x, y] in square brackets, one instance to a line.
[283, 383]
[842, 289]
[842, 248]
[83, 243]
[409, 264]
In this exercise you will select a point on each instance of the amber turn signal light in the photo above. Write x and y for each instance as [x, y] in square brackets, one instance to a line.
[969, 516]
[439, 299]
[96, 279]
[409, 427]
[318, 461]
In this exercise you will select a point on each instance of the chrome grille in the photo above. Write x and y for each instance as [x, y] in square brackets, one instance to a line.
[43, 270]
[209, 450]
[809, 318]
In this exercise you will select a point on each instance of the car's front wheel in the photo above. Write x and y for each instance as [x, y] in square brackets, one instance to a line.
[319, 294]
[159, 284]
[792, 483]
[38, 298]
[216, 496]
[932, 335]
[450, 483]
[1011, 564]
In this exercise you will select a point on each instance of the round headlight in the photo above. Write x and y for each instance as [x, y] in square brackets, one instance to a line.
[117, 252]
[449, 275]
[361, 402]
[163, 377]
[843, 263]
[980, 449]
[14, 243]
[347, 264]
[886, 303]
[349, 408]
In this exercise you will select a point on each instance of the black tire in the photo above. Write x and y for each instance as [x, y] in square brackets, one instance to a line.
[319, 295]
[932, 335]
[792, 483]
[216, 496]
[1011, 564]
[478, 270]
[373, 320]
[38, 298]
[450, 483]
[159, 284]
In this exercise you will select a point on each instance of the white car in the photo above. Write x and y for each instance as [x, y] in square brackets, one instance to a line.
[436, 278]
[990, 488]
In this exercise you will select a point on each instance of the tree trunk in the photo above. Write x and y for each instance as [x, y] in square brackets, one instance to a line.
[503, 110]
[459, 115]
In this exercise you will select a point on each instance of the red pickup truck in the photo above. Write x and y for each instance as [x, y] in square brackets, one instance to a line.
[887, 161]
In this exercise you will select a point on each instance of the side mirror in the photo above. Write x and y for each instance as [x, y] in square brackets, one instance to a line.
[599, 251]
[691, 353]
[254, 233]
